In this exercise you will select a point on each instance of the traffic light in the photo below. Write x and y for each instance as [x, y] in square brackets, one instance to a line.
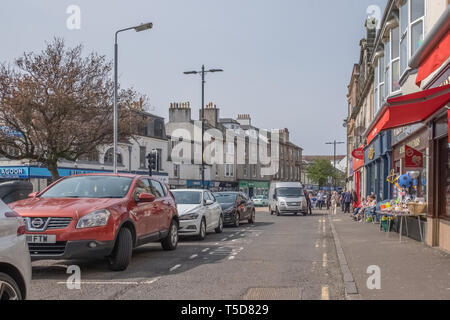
[152, 161]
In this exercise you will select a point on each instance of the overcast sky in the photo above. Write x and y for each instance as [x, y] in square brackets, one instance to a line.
[286, 62]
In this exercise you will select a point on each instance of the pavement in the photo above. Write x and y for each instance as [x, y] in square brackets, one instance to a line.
[276, 258]
[408, 270]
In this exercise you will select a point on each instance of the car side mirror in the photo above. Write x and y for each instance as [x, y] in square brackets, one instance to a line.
[146, 197]
[33, 195]
[208, 202]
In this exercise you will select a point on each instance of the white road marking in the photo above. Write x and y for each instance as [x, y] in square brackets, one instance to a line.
[206, 249]
[325, 293]
[230, 257]
[324, 260]
[224, 239]
[324, 243]
[175, 267]
[316, 244]
[193, 256]
[151, 280]
[104, 282]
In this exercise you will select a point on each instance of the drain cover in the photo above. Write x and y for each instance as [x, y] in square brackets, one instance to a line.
[279, 293]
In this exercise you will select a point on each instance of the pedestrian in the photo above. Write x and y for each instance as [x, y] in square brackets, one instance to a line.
[341, 200]
[328, 200]
[334, 202]
[347, 201]
[308, 202]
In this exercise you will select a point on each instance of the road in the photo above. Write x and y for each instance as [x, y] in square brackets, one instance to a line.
[285, 257]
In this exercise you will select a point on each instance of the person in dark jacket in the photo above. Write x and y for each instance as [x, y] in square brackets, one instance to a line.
[347, 196]
[308, 201]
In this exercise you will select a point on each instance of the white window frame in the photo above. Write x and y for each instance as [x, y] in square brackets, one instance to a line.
[407, 33]
[391, 63]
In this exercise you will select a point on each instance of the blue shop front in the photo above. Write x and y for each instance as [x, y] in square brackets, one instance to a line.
[378, 164]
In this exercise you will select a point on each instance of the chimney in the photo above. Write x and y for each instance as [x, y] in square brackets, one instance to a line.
[284, 135]
[244, 119]
[180, 112]
[211, 114]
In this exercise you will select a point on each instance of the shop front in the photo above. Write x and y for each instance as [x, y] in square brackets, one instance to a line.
[357, 162]
[377, 165]
[40, 177]
[254, 188]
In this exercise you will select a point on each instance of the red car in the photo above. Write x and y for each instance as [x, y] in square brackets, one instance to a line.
[99, 215]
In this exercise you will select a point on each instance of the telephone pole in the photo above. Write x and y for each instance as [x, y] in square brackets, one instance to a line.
[334, 143]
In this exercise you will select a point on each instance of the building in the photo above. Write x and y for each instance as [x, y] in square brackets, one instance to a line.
[150, 134]
[410, 67]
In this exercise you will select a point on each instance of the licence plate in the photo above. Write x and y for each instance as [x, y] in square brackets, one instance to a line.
[41, 238]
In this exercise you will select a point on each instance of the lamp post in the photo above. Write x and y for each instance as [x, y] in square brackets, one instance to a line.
[334, 160]
[203, 72]
[139, 28]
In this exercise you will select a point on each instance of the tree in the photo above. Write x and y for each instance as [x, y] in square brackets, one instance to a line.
[319, 171]
[57, 104]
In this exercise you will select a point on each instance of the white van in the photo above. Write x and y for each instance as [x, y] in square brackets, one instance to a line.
[287, 197]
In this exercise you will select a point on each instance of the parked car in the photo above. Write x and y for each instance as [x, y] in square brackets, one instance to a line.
[236, 207]
[15, 263]
[199, 212]
[99, 215]
[287, 197]
[261, 201]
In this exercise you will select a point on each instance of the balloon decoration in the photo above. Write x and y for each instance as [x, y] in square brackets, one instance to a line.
[405, 181]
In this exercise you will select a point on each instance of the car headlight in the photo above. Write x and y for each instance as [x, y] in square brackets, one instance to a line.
[229, 210]
[189, 216]
[283, 203]
[97, 218]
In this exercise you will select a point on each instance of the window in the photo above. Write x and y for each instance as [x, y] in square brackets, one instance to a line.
[254, 170]
[159, 128]
[412, 14]
[143, 185]
[245, 171]
[395, 59]
[158, 161]
[229, 170]
[142, 156]
[108, 158]
[387, 63]
[157, 189]
[90, 157]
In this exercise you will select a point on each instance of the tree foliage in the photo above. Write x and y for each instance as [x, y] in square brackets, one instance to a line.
[57, 104]
[319, 171]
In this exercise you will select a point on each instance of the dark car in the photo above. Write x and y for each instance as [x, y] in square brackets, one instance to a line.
[236, 207]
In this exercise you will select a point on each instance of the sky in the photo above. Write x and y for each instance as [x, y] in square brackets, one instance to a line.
[287, 63]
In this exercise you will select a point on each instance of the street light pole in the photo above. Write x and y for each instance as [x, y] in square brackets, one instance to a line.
[203, 72]
[334, 143]
[141, 27]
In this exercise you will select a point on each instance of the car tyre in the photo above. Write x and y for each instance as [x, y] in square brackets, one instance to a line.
[11, 290]
[170, 242]
[252, 218]
[121, 256]
[202, 232]
[219, 228]
[237, 220]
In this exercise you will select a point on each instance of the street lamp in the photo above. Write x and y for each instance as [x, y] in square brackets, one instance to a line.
[203, 72]
[139, 28]
[334, 160]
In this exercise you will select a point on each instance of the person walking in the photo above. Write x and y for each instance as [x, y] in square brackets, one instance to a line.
[341, 200]
[334, 202]
[308, 201]
[328, 200]
[347, 201]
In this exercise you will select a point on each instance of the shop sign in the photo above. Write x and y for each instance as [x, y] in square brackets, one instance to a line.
[413, 144]
[371, 153]
[14, 172]
[413, 158]
[358, 153]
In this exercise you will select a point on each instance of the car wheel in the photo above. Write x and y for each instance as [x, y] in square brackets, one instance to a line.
[252, 218]
[9, 290]
[202, 231]
[219, 228]
[121, 256]
[237, 220]
[170, 242]
[295, 213]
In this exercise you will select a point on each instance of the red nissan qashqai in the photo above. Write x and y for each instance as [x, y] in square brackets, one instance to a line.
[99, 215]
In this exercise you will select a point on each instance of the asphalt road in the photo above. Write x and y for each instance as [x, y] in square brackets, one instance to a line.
[285, 257]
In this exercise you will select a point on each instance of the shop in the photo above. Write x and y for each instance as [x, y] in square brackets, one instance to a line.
[217, 186]
[40, 177]
[254, 188]
[357, 166]
[377, 165]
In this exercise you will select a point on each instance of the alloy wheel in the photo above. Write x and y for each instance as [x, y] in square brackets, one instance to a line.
[174, 235]
[7, 292]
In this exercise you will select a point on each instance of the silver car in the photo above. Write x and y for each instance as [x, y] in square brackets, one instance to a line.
[199, 212]
[15, 262]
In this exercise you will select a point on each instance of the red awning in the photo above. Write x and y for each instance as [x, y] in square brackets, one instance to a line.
[410, 109]
[435, 59]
